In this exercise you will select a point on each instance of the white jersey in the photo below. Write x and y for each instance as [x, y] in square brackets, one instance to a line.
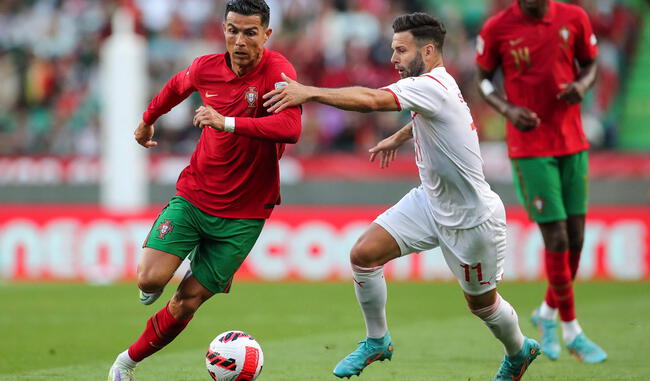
[446, 149]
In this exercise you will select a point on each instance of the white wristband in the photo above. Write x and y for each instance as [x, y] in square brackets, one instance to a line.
[229, 124]
[486, 87]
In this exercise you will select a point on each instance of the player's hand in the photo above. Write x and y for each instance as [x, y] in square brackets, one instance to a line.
[522, 118]
[572, 92]
[293, 94]
[143, 135]
[388, 150]
[207, 116]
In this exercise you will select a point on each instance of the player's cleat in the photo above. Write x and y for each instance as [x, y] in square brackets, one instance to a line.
[147, 298]
[534, 317]
[369, 351]
[586, 350]
[513, 367]
[121, 372]
[548, 338]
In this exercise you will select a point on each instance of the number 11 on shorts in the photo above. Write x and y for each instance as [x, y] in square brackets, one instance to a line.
[479, 273]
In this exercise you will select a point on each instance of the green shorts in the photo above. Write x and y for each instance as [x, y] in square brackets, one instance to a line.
[217, 246]
[552, 188]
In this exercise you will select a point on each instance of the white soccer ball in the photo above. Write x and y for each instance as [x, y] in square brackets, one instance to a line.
[234, 356]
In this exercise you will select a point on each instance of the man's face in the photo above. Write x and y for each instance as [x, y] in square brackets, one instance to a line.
[533, 7]
[407, 57]
[245, 38]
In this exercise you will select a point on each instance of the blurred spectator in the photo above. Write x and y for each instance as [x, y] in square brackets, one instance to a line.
[49, 59]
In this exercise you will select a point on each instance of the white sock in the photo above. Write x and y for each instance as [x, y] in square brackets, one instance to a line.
[570, 330]
[547, 312]
[125, 359]
[370, 288]
[502, 320]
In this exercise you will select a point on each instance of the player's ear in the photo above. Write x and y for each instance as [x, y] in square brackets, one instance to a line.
[429, 50]
[267, 34]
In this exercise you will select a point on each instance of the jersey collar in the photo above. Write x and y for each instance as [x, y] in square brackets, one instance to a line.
[231, 74]
[548, 17]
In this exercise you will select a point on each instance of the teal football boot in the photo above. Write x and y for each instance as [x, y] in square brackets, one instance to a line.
[513, 367]
[586, 350]
[369, 351]
[148, 298]
[548, 337]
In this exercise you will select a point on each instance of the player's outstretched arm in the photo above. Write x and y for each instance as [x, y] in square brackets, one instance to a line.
[356, 98]
[522, 118]
[388, 147]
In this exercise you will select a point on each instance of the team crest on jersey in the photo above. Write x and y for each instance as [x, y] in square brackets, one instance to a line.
[538, 202]
[565, 34]
[165, 228]
[251, 96]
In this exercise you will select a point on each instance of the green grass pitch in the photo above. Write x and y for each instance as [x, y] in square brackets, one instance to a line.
[73, 332]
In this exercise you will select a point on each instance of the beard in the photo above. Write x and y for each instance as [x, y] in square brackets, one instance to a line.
[415, 67]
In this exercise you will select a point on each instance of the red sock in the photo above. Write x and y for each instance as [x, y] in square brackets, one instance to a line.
[550, 297]
[161, 329]
[574, 262]
[559, 278]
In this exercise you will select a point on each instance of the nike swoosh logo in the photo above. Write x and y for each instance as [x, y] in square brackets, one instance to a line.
[515, 42]
[208, 95]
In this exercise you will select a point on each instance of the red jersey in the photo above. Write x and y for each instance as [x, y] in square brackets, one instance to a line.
[233, 175]
[537, 57]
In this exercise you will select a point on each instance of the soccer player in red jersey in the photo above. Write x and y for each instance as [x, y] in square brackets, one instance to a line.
[547, 52]
[230, 186]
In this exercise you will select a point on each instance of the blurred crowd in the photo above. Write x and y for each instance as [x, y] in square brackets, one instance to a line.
[49, 59]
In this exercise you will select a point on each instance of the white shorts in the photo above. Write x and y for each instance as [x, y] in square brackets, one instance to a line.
[474, 255]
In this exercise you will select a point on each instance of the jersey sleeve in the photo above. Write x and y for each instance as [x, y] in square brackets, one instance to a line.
[283, 127]
[586, 43]
[424, 94]
[487, 48]
[179, 87]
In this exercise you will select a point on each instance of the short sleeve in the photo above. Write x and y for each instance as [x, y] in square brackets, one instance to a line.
[586, 45]
[487, 49]
[424, 94]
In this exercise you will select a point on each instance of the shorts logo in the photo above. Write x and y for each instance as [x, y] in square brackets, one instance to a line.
[251, 96]
[539, 204]
[164, 228]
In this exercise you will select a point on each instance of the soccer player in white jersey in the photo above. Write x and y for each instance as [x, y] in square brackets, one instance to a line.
[454, 207]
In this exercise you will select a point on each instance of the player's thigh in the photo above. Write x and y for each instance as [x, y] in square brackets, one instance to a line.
[410, 223]
[574, 174]
[476, 255]
[222, 250]
[539, 188]
[172, 237]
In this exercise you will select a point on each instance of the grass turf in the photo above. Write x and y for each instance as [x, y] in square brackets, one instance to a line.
[73, 332]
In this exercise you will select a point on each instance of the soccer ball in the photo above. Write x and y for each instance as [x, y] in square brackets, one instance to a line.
[234, 356]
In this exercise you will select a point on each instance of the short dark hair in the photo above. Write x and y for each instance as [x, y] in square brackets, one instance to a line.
[250, 8]
[423, 27]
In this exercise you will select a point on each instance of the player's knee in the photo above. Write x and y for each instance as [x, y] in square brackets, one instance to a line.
[364, 255]
[150, 281]
[557, 242]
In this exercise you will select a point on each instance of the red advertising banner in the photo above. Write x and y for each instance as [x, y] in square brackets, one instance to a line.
[85, 243]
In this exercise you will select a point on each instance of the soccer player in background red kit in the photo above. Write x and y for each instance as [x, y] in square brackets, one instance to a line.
[230, 186]
[547, 51]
